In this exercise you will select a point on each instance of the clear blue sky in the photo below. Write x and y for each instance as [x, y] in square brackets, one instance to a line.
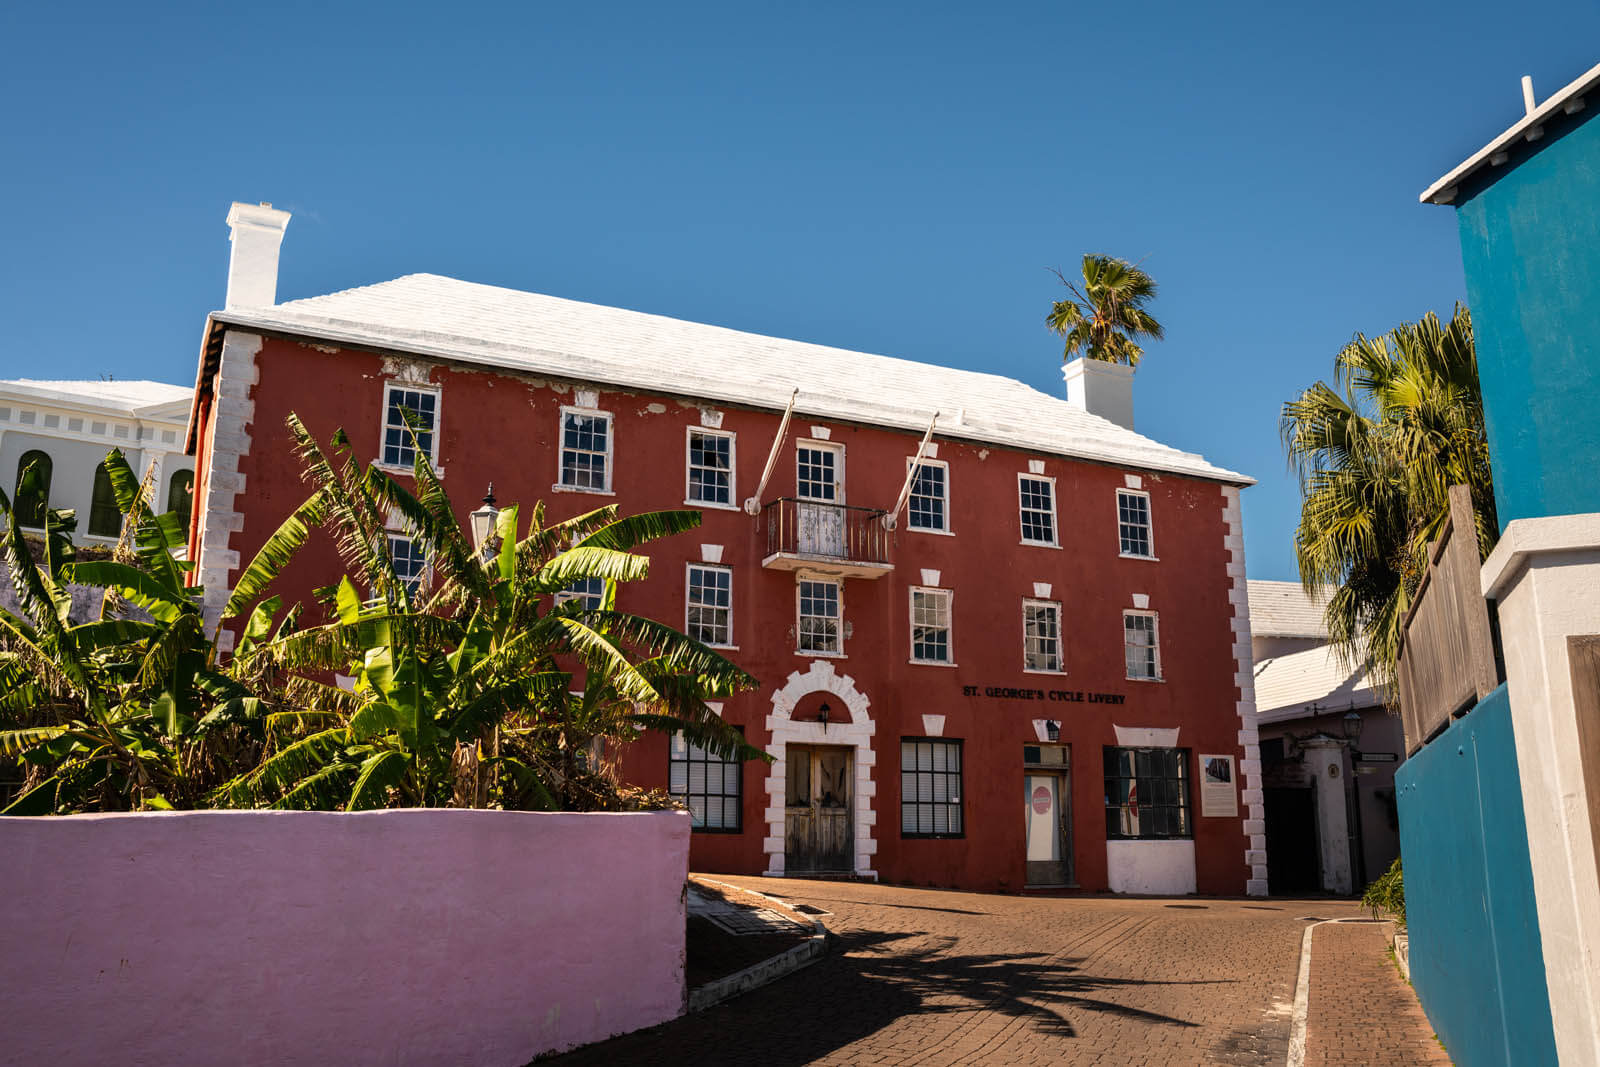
[888, 177]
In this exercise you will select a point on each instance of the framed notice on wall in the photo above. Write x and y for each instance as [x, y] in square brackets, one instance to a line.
[1219, 796]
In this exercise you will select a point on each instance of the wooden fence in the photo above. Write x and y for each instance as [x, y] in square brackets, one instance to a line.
[1446, 662]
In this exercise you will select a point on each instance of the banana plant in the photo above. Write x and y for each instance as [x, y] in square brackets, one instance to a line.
[479, 684]
[124, 710]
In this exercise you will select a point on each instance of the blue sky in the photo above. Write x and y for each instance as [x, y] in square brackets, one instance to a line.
[895, 178]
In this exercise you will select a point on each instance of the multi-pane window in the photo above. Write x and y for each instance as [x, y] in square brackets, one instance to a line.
[929, 505]
[930, 788]
[410, 420]
[816, 475]
[1133, 523]
[1037, 497]
[930, 625]
[410, 560]
[819, 617]
[1041, 635]
[105, 517]
[1140, 645]
[708, 784]
[1147, 792]
[591, 591]
[710, 468]
[585, 450]
[709, 609]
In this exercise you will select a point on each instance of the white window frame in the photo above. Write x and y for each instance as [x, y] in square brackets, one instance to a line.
[1149, 525]
[1055, 522]
[1155, 644]
[949, 597]
[561, 596]
[689, 468]
[838, 469]
[942, 530]
[688, 586]
[395, 531]
[1061, 651]
[610, 453]
[390, 386]
[799, 624]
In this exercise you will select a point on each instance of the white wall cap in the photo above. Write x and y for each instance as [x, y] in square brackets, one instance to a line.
[1524, 539]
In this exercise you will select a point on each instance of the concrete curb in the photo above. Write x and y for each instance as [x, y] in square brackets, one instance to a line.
[768, 970]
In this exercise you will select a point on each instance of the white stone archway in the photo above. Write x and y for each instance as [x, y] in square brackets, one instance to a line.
[857, 733]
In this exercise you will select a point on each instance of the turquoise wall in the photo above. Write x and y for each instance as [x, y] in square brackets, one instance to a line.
[1530, 243]
[1476, 959]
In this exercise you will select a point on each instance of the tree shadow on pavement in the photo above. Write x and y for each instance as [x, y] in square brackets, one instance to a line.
[868, 981]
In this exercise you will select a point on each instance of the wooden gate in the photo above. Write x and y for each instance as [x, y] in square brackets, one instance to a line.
[818, 833]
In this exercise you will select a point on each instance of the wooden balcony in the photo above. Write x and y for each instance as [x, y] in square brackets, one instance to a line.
[830, 540]
[1446, 662]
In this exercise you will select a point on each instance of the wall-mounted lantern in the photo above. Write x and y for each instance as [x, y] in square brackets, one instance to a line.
[484, 540]
[1052, 730]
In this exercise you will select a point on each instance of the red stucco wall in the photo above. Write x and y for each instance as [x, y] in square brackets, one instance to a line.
[501, 428]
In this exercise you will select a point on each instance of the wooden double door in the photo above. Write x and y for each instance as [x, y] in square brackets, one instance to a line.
[818, 830]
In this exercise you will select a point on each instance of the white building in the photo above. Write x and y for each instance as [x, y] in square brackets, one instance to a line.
[68, 427]
[1329, 750]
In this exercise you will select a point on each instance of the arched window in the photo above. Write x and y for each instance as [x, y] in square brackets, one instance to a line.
[105, 518]
[180, 494]
[34, 515]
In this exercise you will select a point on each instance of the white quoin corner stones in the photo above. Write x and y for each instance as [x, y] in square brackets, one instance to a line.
[228, 438]
[857, 734]
[1255, 821]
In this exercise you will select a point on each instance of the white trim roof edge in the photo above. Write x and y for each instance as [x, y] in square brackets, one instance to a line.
[811, 405]
[173, 411]
[1589, 79]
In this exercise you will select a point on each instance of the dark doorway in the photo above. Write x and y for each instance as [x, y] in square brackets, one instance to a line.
[1293, 863]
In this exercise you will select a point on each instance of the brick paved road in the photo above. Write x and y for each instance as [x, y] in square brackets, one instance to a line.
[1361, 1012]
[932, 977]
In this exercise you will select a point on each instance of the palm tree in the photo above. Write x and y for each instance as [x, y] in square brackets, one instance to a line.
[1376, 454]
[1105, 317]
[124, 710]
[482, 686]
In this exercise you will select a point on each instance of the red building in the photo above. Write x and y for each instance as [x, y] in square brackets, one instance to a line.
[1023, 660]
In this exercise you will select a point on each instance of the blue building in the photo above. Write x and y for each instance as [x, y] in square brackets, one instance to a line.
[1500, 813]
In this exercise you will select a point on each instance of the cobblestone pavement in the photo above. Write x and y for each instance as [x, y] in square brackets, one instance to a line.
[932, 977]
[1361, 1012]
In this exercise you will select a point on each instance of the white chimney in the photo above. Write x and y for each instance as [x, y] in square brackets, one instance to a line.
[257, 231]
[1101, 388]
[1527, 94]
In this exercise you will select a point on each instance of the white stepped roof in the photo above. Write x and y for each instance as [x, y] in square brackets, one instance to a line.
[134, 397]
[1286, 685]
[429, 315]
[1283, 609]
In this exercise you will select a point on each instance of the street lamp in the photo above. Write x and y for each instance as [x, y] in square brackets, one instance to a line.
[1352, 724]
[484, 540]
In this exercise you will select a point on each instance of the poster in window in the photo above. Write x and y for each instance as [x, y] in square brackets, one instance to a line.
[1219, 796]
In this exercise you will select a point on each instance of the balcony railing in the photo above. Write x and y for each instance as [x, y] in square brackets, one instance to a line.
[832, 539]
[1446, 662]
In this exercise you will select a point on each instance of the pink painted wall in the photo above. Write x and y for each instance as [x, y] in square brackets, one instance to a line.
[254, 937]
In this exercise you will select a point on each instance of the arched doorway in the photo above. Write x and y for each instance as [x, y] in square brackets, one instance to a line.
[820, 788]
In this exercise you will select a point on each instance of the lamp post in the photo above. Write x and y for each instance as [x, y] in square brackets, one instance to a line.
[484, 540]
[1352, 725]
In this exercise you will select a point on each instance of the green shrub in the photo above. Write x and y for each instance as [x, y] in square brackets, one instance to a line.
[1387, 895]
